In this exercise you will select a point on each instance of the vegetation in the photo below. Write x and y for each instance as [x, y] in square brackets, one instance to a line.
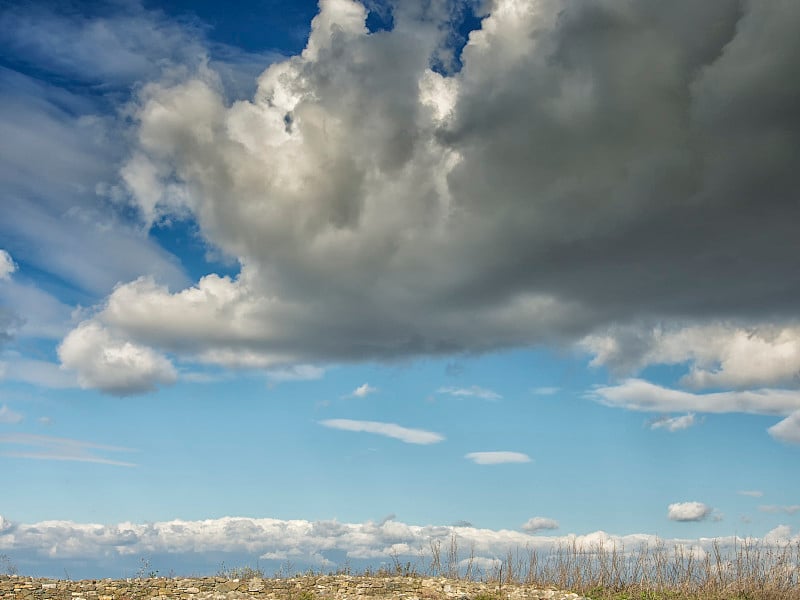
[6, 566]
[748, 571]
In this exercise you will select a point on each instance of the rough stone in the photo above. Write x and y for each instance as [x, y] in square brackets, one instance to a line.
[307, 587]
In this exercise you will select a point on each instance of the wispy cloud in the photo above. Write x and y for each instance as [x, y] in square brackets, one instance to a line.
[296, 373]
[546, 391]
[772, 508]
[392, 430]
[45, 447]
[40, 373]
[688, 511]
[363, 391]
[9, 416]
[641, 395]
[673, 424]
[751, 493]
[497, 458]
[535, 524]
[472, 391]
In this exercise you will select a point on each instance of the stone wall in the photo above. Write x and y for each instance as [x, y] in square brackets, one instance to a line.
[310, 587]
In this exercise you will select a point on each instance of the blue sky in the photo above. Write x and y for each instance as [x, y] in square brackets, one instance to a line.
[323, 283]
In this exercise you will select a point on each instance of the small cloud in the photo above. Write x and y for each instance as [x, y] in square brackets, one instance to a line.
[202, 377]
[787, 430]
[497, 458]
[751, 493]
[771, 508]
[392, 430]
[110, 363]
[688, 511]
[363, 391]
[782, 534]
[673, 424]
[296, 373]
[45, 447]
[462, 523]
[7, 266]
[9, 416]
[535, 524]
[45, 421]
[472, 391]
[546, 391]
[41, 373]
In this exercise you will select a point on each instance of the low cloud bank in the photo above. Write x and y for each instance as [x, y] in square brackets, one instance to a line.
[92, 550]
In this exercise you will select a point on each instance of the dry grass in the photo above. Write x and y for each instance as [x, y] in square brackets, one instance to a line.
[748, 571]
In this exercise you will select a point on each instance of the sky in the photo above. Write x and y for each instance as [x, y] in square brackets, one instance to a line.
[309, 286]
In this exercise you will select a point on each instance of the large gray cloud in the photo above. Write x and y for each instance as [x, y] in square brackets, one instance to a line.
[591, 164]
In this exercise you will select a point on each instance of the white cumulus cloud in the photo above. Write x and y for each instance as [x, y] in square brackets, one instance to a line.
[364, 390]
[7, 266]
[497, 457]
[111, 364]
[719, 354]
[535, 524]
[688, 511]
[307, 541]
[392, 430]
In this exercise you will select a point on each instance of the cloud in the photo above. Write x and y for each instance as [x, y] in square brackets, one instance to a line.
[9, 416]
[497, 458]
[356, 173]
[637, 394]
[59, 154]
[718, 354]
[38, 372]
[673, 424]
[751, 493]
[787, 430]
[306, 541]
[113, 365]
[546, 391]
[535, 524]
[45, 447]
[392, 430]
[789, 510]
[363, 391]
[36, 312]
[688, 511]
[781, 535]
[472, 391]
[7, 266]
[296, 373]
